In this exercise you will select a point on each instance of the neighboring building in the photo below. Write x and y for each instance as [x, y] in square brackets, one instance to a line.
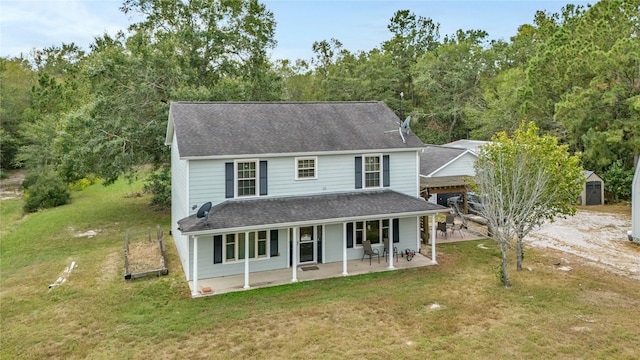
[443, 171]
[473, 145]
[634, 234]
[290, 184]
[593, 191]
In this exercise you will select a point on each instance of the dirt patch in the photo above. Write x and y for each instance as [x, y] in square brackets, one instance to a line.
[598, 237]
[145, 256]
[10, 187]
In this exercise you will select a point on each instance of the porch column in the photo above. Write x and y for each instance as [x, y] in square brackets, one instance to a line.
[390, 249]
[418, 244]
[294, 256]
[425, 229]
[344, 249]
[246, 260]
[433, 238]
[194, 291]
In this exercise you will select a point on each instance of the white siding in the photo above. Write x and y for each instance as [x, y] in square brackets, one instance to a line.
[404, 173]
[333, 243]
[335, 173]
[460, 166]
[206, 182]
[179, 204]
[207, 269]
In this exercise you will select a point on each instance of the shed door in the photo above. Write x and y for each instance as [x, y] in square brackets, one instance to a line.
[594, 192]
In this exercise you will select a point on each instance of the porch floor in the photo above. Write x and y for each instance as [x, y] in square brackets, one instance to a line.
[308, 272]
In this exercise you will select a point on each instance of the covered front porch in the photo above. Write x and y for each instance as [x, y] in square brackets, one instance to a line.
[226, 284]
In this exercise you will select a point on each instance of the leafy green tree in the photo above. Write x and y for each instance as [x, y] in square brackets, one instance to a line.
[187, 50]
[159, 185]
[499, 105]
[447, 79]
[618, 179]
[413, 36]
[525, 180]
[16, 80]
[59, 89]
[584, 80]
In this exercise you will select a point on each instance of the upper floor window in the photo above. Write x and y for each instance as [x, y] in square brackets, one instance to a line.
[246, 178]
[306, 168]
[372, 171]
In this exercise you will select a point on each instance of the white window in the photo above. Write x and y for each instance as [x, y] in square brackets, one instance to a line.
[372, 171]
[234, 246]
[373, 230]
[230, 248]
[306, 168]
[247, 181]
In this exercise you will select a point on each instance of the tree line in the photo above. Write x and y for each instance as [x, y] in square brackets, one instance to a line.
[102, 113]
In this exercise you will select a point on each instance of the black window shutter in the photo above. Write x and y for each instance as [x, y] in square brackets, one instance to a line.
[358, 172]
[386, 180]
[228, 179]
[349, 235]
[263, 177]
[396, 230]
[274, 242]
[217, 249]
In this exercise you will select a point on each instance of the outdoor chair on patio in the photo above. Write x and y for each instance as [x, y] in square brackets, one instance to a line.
[450, 219]
[369, 251]
[386, 250]
[442, 227]
[458, 228]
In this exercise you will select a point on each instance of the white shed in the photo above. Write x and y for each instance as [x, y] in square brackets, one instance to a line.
[593, 191]
[634, 234]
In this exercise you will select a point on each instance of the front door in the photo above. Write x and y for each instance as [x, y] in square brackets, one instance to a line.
[307, 249]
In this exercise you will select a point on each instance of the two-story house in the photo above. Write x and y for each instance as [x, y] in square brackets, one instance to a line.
[264, 186]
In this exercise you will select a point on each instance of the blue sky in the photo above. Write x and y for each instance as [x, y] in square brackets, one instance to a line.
[358, 24]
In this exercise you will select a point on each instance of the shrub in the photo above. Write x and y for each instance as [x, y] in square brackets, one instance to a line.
[44, 189]
[159, 185]
[617, 180]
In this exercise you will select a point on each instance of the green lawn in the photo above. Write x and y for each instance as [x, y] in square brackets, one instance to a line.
[584, 313]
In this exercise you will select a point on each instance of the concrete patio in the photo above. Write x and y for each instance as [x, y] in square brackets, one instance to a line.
[308, 272]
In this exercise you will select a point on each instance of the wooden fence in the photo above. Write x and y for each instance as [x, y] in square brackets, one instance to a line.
[149, 258]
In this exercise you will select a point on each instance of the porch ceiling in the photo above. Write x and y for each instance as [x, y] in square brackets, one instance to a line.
[444, 184]
[248, 214]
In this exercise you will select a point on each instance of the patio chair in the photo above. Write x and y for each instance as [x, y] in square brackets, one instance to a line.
[442, 227]
[369, 251]
[458, 228]
[386, 252]
[450, 219]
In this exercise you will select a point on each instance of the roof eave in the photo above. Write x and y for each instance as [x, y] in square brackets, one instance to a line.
[168, 139]
[316, 153]
[311, 222]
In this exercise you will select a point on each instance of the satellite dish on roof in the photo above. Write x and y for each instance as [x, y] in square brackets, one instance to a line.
[405, 125]
[204, 210]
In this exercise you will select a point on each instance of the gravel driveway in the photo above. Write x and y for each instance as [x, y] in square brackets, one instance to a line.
[600, 238]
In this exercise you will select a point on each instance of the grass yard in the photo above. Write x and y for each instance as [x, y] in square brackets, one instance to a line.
[96, 314]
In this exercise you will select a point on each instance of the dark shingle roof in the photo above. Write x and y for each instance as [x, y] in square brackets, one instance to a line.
[433, 157]
[270, 212]
[241, 128]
